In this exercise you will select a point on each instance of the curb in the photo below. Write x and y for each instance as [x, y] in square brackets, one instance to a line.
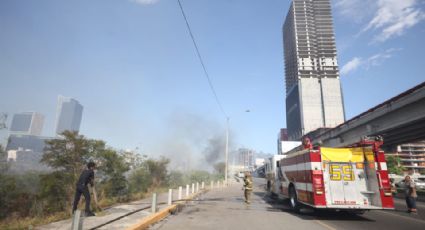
[161, 214]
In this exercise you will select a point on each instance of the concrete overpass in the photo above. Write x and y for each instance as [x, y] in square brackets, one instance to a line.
[399, 120]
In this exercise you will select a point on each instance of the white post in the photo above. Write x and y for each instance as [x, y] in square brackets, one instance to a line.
[197, 186]
[180, 193]
[187, 190]
[218, 184]
[153, 203]
[193, 188]
[203, 185]
[76, 220]
[212, 185]
[170, 196]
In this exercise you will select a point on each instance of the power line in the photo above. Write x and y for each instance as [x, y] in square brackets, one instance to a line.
[201, 60]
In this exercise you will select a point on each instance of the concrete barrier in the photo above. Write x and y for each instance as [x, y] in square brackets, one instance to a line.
[153, 218]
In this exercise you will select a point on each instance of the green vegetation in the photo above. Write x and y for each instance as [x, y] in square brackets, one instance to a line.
[394, 165]
[35, 198]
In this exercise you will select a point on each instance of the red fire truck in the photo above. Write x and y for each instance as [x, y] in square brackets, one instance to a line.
[354, 178]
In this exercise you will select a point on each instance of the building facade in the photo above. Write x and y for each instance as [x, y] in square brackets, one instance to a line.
[412, 156]
[246, 158]
[69, 114]
[313, 89]
[27, 123]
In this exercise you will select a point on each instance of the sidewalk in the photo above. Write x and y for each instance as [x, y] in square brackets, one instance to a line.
[116, 212]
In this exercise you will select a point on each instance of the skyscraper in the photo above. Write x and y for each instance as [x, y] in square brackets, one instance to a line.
[313, 89]
[27, 123]
[68, 115]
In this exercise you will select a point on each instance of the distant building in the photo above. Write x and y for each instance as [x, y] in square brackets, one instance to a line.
[283, 135]
[21, 161]
[27, 142]
[25, 152]
[69, 114]
[27, 123]
[246, 158]
[412, 156]
[313, 89]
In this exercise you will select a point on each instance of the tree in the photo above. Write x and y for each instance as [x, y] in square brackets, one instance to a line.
[150, 175]
[198, 176]
[114, 166]
[139, 180]
[158, 170]
[133, 159]
[53, 191]
[176, 178]
[69, 155]
[4, 166]
[394, 165]
[7, 194]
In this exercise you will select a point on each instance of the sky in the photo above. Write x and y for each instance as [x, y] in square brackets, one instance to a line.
[132, 65]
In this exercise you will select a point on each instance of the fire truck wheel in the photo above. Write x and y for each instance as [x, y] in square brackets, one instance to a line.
[293, 200]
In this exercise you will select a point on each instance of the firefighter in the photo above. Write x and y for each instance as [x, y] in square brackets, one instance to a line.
[411, 195]
[247, 187]
[86, 177]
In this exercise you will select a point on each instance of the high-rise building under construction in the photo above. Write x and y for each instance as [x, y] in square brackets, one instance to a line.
[313, 89]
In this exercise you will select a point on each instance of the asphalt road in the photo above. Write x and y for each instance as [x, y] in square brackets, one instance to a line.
[224, 209]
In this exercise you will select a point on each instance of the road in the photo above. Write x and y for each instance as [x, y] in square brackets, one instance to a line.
[224, 209]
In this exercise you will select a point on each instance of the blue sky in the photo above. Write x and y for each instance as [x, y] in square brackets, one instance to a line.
[132, 65]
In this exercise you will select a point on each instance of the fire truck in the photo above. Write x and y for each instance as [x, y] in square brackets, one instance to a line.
[271, 171]
[354, 178]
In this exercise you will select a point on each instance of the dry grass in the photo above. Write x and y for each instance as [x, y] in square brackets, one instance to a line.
[17, 223]
[25, 223]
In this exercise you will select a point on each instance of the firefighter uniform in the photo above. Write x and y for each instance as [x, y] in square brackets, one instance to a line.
[247, 188]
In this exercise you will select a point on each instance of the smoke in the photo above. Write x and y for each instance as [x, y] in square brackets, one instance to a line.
[213, 152]
[193, 141]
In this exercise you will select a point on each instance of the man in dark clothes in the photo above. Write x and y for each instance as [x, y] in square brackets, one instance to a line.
[86, 177]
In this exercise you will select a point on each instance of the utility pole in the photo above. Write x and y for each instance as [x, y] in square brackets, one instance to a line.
[226, 168]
